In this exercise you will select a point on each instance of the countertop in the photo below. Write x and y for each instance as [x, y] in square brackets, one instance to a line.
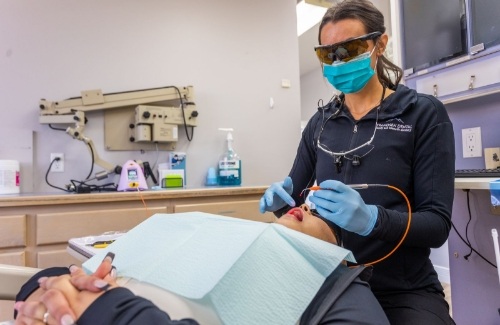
[473, 183]
[31, 199]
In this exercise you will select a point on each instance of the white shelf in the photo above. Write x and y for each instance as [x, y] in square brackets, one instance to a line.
[471, 183]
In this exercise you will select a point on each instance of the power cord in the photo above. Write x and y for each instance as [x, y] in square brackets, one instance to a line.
[467, 227]
[92, 163]
[467, 241]
[57, 129]
[47, 176]
[183, 106]
[82, 187]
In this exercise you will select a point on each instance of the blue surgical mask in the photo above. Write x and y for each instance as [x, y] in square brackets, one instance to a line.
[352, 76]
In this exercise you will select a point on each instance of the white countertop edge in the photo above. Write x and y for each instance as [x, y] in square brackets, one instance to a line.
[472, 183]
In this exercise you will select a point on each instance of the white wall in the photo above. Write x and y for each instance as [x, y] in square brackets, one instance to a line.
[314, 88]
[441, 260]
[234, 53]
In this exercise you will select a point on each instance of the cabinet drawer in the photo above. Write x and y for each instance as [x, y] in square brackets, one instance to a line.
[58, 257]
[13, 258]
[52, 228]
[456, 79]
[12, 231]
[237, 209]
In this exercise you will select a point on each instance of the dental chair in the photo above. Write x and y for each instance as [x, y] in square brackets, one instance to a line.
[12, 277]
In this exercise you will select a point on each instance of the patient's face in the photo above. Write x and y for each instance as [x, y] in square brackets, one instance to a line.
[301, 219]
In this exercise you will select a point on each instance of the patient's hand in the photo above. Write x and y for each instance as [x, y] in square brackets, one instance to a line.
[69, 286]
[34, 311]
[63, 299]
[104, 270]
[63, 293]
[93, 283]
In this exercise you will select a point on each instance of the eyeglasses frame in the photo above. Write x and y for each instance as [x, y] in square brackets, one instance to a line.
[366, 37]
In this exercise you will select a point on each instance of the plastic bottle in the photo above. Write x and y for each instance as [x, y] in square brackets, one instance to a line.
[229, 172]
[211, 177]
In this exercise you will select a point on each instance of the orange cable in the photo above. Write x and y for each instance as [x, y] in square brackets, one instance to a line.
[314, 188]
[406, 230]
[142, 199]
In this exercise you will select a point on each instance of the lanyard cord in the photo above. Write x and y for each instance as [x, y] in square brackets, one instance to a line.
[343, 153]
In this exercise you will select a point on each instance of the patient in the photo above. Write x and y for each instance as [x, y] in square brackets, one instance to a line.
[98, 299]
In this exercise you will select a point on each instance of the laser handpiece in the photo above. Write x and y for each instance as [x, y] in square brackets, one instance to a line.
[353, 186]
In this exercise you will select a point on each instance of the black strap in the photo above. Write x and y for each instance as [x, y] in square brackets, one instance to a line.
[342, 277]
[149, 172]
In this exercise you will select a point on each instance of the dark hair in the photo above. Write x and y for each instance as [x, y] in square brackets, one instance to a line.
[373, 20]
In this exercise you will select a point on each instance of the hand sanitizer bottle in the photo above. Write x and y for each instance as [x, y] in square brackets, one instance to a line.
[229, 172]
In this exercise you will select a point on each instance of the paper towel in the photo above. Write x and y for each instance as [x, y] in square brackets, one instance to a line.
[249, 272]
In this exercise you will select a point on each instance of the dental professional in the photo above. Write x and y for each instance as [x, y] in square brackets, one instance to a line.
[377, 131]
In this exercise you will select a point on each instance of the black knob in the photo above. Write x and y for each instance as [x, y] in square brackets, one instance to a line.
[132, 139]
[146, 114]
[131, 126]
[194, 113]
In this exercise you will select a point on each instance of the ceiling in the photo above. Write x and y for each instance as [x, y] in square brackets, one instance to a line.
[308, 40]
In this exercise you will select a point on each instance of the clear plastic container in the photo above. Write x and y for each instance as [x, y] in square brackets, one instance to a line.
[229, 171]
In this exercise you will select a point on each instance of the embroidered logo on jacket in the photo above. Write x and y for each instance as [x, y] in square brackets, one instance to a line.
[395, 124]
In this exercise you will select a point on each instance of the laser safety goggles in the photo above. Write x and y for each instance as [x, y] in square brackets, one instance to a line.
[346, 50]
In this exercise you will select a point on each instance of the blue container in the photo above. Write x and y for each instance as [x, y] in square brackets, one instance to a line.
[495, 193]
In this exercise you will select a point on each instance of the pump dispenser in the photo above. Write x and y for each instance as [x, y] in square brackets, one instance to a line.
[229, 172]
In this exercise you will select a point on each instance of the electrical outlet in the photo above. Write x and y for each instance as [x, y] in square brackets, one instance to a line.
[58, 165]
[471, 142]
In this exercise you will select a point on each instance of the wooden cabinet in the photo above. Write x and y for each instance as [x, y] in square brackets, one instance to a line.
[13, 239]
[237, 209]
[58, 227]
[13, 231]
[35, 229]
[13, 258]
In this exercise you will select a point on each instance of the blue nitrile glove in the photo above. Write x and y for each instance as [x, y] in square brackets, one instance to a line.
[344, 206]
[277, 196]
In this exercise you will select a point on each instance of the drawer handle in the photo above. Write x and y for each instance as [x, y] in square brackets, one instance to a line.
[226, 212]
[435, 88]
[471, 82]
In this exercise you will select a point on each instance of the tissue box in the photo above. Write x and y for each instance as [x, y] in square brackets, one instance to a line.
[172, 178]
[177, 160]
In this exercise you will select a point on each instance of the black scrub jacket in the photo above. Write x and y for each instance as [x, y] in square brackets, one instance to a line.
[413, 150]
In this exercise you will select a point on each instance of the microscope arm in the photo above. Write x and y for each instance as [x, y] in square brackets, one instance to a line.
[108, 167]
[77, 133]
[72, 111]
[95, 100]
